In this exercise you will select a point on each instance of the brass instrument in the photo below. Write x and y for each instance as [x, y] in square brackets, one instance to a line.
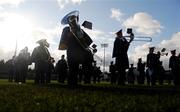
[81, 36]
[132, 38]
[144, 39]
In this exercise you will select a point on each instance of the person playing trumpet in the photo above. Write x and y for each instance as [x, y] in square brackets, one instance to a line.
[120, 49]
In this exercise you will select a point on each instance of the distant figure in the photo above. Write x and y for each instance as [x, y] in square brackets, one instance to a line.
[50, 68]
[76, 41]
[130, 75]
[161, 73]
[112, 70]
[152, 64]
[80, 74]
[141, 70]
[62, 69]
[40, 57]
[148, 77]
[11, 69]
[120, 49]
[99, 74]
[174, 64]
[95, 72]
[22, 62]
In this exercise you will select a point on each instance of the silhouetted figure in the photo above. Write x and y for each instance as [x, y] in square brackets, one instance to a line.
[99, 74]
[95, 72]
[112, 70]
[22, 62]
[80, 74]
[130, 75]
[120, 49]
[152, 64]
[174, 65]
[148, 77]
[159, 69]
[161, 73]
[49, 70]
[141, 70]
[76, 42]
[11, 69]
[62, 69]
[40, 57]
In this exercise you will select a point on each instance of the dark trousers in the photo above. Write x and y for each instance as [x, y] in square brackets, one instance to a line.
[176, 76]
[154, 77]
[74, 70]
[48, 77]
[141, 77]
[22, 76]
[87, 68]
[11, 75]
[62, 76]
[73, 73]
[130, 78]
[113, 78]
[160, 77]
[121, 76]
[80, 77]
[40, 77]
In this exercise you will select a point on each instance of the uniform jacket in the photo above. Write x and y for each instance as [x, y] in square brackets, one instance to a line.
[120, 49]
[40, 56]
[75, 52]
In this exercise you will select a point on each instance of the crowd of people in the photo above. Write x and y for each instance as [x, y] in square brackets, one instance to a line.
[80, 65]
[150, 72]
[18, 66]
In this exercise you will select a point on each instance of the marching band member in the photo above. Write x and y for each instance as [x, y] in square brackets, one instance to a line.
[76, 42]
[121, 46]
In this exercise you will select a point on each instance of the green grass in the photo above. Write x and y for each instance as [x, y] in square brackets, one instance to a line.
[86, 98]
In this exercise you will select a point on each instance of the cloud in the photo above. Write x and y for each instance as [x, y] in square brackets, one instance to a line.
[63, 3]
[11, 2]
[172, 43]
[140, 51]
[99, 36]
[1, 8]
[143, 23]
[116, 14]
[77, 1]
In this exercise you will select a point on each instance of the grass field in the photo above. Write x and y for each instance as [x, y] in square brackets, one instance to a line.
[87, 98]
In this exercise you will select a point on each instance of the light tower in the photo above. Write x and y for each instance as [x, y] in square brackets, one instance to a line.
[104, 45]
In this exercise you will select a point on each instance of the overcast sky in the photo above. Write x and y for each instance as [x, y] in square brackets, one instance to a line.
[27, 21]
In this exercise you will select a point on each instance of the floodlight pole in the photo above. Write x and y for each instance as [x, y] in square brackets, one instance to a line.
[104, 45]
[15, 51]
